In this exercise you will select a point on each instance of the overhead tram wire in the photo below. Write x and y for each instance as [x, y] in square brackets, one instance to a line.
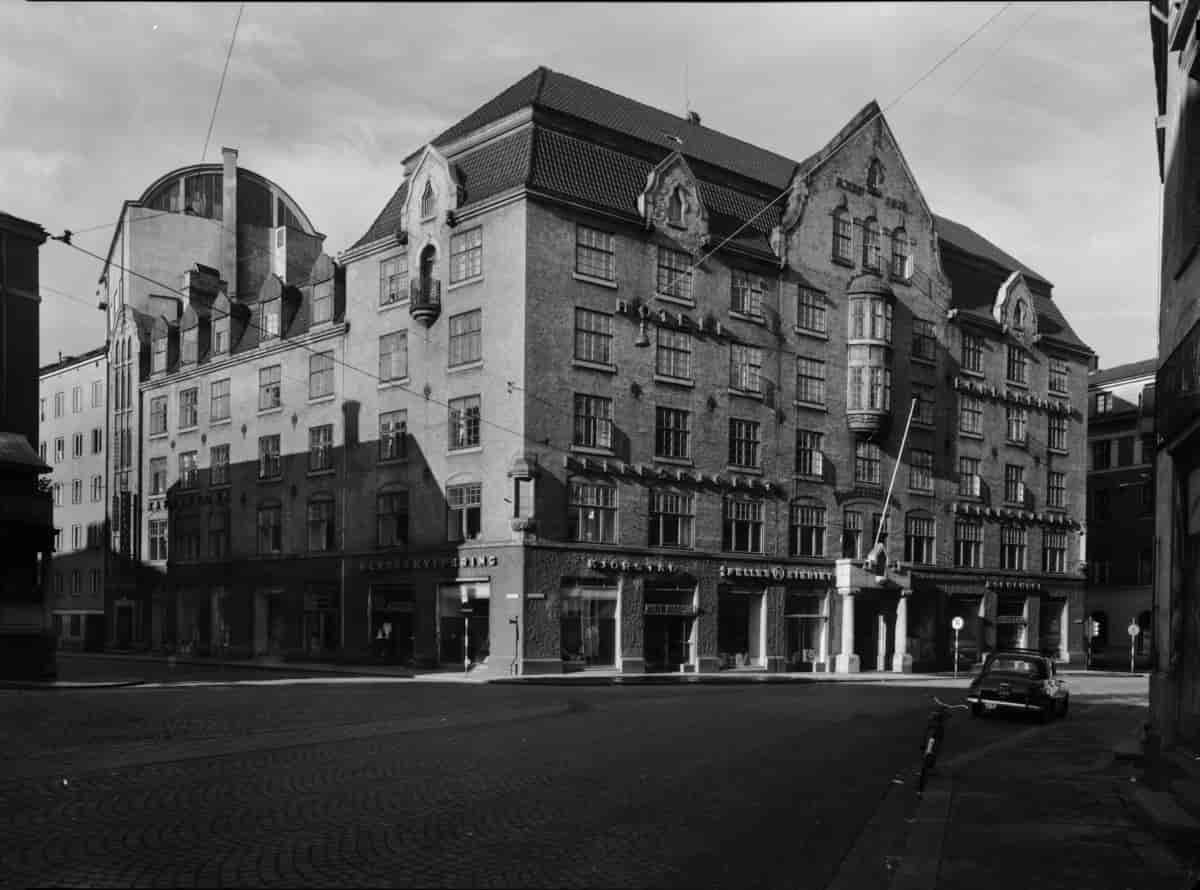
[221, 85]
[545, 443]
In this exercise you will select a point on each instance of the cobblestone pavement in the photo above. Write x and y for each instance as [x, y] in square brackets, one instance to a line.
[389, 784]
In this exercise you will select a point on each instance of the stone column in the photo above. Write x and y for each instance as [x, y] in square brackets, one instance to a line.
[847, 659]
[901, 660]
[881, 642]
[823, 640]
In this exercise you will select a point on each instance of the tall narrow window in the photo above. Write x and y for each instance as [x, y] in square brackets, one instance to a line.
[672, 433]
[871, 245]
[867, 463]
[466, 255]
[320, 448]
[972, 353]
[392, 519]
[1018, 423]
[188, 470]
[428, 199]
[672, 519]
[746, 293]
[744, 441]
[742, 530]
[190, 340]
[466, 338]
[321, 530]
[218, 465]
[1014, 484]
[924, 340]
[188, 407]
[593, 336]
[76, 399]
[218, 534]
[918, 539]
[807, 529]
[393, 434]
[852, 534]
[920, 470]
[77, 491]
[969, 482]
[925, 412]
[594, 253]
[673, 354]
[322, 302]
[842, 240]
[674, 274]
[592, 512]
[270, 393]
[393, 356]
[220, 333]
[593, 421]
[968, 543]
[901, 269]
[393, 280]
[1056, 431]
[464, 418]
[320, 375]
[219, 408]
[270, 320]
[158, 475]
[809, 461]
[1014, 541]
[268, 457]
[810, 310]
[745, 367]
[970, 415]
[1054, 551]
[1056, 489]
[158, 364]
[1018, 365]
[270, 529]
[810, 381]
[158, 540]
[465, 505]
[1058, 375]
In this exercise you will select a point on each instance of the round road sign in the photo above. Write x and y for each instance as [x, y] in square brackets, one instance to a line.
[956, 623]
[1133, 629]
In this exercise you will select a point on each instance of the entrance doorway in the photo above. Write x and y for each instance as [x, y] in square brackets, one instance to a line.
[866, 635]
[268, 622]
[739, 628]
[392, 608]
[668, 642]
[124, 627]
[464, 624]
[804, 626]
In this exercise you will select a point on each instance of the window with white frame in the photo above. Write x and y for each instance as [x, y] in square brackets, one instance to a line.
[218, 465]
[97, 393]
[968, 543]
[673, 354]
[77, 445]
[852, 534]
[1056, 429]
[158, 415]
[270, 320]
[60, 401]
[466, 255]
[746, 293]
[464, 422]
[393, 356]
[1059, 375]
[58, 494]
[1056, 489]
[428, 200]
[1018, 364]
[745, 368]
[900, 255]
[320, 375]
[809, 460]
[188, 469]
[392, 519]
[60, 449]
[674, 274]
[465, 503]
[190, 345]
[220, 333]
[871, 319]
[672, 433]
[970, 415]
[76, 399]
[393, 435]
[807, 529]
[969, 482]
[1014, 542]
[594, 253]
[270, 392]
[842, 237]
[320, 448]
[918, 539]
[1014, 484]
[268, 457]
[393, 280]
[158, 475]
[188, 407]
[744, 441]
[920, 470]
[321, 528]
[924, 340]
[1054, 551]
[867, 463]
[742, 529]
[872, 247]
[1018, 423]
[593, 336]
[219, 400]
[810, 310]
[158, 540]
[672, 519]
[810, 380]
[593, 421]
[97, 488]
[76, 491]
[592, 512]
[1104, 401]
[466, 337]
[97, 440]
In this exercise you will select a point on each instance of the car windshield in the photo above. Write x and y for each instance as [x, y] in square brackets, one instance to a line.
[1014, 664]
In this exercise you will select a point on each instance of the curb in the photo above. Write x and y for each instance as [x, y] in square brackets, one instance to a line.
[295, 667]
[52, 685]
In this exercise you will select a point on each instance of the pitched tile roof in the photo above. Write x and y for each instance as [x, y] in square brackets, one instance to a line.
[574, 168]
[1143, 368]
[553, 91]
[970, 241]
[495, 167]
[388, 220]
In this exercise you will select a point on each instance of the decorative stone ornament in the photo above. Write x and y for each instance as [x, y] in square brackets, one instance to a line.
[671, 203]
[1013, 309]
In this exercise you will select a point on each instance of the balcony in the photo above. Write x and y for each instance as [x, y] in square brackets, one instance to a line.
[868, 422]
[425, 300]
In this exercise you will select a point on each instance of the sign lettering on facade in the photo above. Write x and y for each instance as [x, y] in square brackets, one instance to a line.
[452, 562]
[773, 573]
[625, 565]
[849, 186]
[677, 609]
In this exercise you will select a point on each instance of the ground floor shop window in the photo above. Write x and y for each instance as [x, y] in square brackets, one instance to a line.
[739, 627]
[270, 624]
[464, 624]
[669, 613]
[588, 626]
[1010, 622]
[804, 623]
[320, 631]
[1050, 627]
[392, 610]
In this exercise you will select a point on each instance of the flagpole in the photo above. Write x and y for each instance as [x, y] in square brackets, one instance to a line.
[895, 471]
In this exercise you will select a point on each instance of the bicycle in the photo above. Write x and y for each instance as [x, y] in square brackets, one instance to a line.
[934, 730]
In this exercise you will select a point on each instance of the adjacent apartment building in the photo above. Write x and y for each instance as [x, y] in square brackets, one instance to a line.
[1121, 512]
[1175, 683]
[603, 387]
[194, 231]
[26, 511]
[72, 441]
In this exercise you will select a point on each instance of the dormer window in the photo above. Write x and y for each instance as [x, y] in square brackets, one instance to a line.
[1018, 317]
[270, 320]
[675, 207]
[322, 302]
[160, 355]
[427, 200]
[220, 334]
[190, 346]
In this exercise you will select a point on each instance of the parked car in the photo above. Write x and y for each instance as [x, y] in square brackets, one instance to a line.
[1019, 680]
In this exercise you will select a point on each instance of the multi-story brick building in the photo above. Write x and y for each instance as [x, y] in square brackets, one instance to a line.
[72, 433]
[193, 232]
[1120, 524]
[1175, 683]
[26, 511]
[609, 388]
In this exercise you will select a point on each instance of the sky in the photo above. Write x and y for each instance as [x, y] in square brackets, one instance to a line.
[1038, 133]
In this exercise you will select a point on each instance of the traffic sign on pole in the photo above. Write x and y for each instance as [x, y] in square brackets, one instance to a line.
[1134, 630]
[957, 623]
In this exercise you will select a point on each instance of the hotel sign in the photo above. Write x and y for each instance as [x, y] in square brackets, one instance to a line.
[625, 565]
[453, 562]
[773, 573]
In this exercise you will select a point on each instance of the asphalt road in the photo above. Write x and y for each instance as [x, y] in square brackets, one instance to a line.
[407, 784]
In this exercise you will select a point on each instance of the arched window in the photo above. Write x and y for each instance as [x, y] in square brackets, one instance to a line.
[1018, 317]
[841, 236]
[900, 257]
[871, 244]
[875, 176]
[427, 200]
[675, 207]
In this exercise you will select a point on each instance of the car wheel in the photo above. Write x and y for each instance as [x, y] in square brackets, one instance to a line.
[1046, 714]
[976, 710]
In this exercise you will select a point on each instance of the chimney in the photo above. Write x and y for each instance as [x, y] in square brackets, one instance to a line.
[229, 218]
[694, 118]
